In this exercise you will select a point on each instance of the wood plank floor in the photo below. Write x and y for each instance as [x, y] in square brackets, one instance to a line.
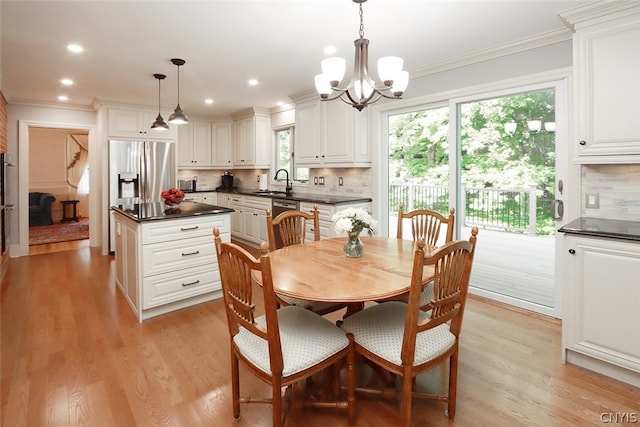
[73, 353]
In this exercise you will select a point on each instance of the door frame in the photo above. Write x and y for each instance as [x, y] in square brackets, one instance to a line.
[22, 249]
[378, 132]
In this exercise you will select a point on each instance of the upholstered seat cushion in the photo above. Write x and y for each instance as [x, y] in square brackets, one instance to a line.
[317, 306]
[380, 329]
[306, 337]
[426, 296]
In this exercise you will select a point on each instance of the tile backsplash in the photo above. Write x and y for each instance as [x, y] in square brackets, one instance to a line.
[618, 189]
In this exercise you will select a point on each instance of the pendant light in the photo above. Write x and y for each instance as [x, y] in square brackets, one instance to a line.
[159, 124]
[362, 90]
[178, 117]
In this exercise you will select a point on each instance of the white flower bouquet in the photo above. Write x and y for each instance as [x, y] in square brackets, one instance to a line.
[353, 220]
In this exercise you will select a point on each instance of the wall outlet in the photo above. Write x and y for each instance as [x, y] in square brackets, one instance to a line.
[340, 181]
[321, 180]
[315, 180]
[592, 200]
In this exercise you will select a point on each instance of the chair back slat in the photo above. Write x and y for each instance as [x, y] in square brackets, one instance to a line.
[426, 224]
[291, 227]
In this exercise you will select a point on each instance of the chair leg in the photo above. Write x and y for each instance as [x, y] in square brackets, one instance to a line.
[351, 381]
[453, 385]
[235, 386]
[276, 402]
[407, 395]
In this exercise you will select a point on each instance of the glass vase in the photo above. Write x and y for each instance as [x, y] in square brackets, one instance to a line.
[353, 247]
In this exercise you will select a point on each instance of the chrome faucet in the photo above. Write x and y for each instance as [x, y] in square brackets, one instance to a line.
[288, 188]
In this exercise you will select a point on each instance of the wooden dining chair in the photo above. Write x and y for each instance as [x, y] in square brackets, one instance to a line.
[406, 341]
[283, 346]
[426, 224]
[291, 227]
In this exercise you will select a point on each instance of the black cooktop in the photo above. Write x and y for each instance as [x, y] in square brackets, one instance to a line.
[600, 227]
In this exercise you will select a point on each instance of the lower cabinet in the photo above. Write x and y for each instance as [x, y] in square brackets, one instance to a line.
[249, 219]
[601, 320]
[325, 212]
[165, 265]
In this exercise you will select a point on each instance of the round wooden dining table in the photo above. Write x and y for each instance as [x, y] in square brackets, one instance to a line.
[320, 271]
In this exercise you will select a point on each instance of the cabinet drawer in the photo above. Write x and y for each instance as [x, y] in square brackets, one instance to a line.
[177, 285]
[167, 257]
[180, 229]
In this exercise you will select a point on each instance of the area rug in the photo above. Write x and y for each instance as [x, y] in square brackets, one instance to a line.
[54, 233]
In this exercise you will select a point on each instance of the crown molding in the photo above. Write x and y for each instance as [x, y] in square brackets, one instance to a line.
[540, 40]
[599, 11]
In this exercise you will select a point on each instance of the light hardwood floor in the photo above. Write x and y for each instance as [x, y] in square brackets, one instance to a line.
[74, 354]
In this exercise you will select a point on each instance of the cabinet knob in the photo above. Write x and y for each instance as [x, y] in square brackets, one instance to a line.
[583, 142]
[572, 251]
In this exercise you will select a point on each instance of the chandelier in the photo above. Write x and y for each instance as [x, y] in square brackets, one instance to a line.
[361, 90]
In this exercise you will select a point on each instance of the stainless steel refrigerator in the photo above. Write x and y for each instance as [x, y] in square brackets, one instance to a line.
[138, 172]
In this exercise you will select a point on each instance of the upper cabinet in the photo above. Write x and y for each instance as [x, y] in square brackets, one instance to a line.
[222, 144]
[205, 144]
[251, 139]
[194, 144]
[607, 81]
[136, 124]
[331, 135]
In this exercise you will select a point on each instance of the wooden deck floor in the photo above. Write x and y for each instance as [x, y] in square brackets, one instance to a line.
[519, 267]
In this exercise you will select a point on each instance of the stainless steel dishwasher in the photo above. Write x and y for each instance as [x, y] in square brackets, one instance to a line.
[280, 206]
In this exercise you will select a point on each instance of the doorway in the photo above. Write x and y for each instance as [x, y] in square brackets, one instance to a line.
[493, 157]
[25, 130]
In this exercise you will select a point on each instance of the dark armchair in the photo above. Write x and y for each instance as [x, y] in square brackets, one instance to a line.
[40, 208]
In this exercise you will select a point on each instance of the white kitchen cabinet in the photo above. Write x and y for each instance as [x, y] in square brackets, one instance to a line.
[192, 197]
[194, 145]
[325, 212]
[222, 144]
[169, 264]
[607, 80]
[210, 198]
[136, 124]
[601, 294]
[249, 221]
[330, 134]
[251, 140]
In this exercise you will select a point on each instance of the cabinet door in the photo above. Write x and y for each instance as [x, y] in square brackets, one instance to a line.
[185, 145]
[192, 197]
[251, 225]
[201, 144]
[338, 133]
[210, 198]
[608, 74]
[307, 135]
[125, 123]
[242, 135]
[222, 145]
[237, 217]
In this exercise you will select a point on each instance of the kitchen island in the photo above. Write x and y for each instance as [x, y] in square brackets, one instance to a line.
[165, 257]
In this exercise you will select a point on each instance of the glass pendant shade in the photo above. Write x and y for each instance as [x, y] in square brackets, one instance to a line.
[322, 85]
[389, 68]
[550, 126]
[510, 127]
[400, 83]
[534, 125]
[334, 69]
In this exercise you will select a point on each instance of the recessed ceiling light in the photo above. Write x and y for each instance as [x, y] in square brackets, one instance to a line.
[253, 82]
[208, 101]
[279, 103]
[66, 82]
[330, 50]
[75, 48]
[63, 98]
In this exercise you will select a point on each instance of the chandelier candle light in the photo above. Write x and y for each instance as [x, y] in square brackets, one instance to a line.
[353, 221]
[361, 90]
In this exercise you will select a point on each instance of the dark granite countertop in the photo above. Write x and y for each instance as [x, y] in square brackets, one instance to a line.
[599, 227]
[159, 211]
[327, 199]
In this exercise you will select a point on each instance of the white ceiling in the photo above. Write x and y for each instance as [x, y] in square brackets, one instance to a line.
[226, 42]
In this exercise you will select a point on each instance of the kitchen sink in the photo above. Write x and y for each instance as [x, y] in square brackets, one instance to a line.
[270, 193]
